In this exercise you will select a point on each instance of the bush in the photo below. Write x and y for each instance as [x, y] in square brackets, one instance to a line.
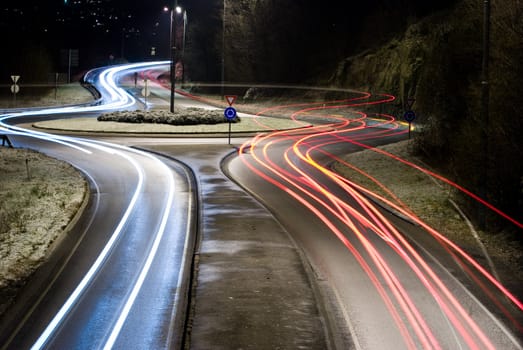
[181, 116]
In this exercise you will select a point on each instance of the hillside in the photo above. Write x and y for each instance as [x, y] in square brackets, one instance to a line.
[430, 51]
[290, 41]
[437, 61]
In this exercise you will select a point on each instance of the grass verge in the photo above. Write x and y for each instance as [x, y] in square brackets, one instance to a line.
[39, 196]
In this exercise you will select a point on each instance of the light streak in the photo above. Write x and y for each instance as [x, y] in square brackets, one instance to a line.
[298, 178]
[150, 257]
[91, 273]
[114, 98]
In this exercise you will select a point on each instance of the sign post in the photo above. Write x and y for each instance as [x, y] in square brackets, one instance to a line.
[408, 104]
[145, 91]
[56, 76]
[409, 116]
[15, 88]
[230, 112]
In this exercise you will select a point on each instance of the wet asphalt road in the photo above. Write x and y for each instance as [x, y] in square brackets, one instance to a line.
[119, 272]
[266, 276]
[252, 288]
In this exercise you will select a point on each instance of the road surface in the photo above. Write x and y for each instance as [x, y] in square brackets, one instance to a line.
[389, 280]
[392, 282]
[119, 279]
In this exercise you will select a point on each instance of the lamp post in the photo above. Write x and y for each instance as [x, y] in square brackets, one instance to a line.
[223, 48]
[177, 10]
[167, 10]
[173, 53]
[183, 45]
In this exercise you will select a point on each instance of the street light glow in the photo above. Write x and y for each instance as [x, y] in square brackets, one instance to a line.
[178, 9]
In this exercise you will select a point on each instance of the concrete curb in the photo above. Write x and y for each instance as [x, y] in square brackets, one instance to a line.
[177, 333]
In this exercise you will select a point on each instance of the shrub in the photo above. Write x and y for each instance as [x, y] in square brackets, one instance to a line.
[181, 116]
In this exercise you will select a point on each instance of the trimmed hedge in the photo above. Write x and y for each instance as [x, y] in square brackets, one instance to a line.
[181, 116]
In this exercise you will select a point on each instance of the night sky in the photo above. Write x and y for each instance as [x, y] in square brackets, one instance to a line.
[19, 17]
[106, 31]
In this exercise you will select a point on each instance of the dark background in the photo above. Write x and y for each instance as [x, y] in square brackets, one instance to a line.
[427, 50]
[307, 33]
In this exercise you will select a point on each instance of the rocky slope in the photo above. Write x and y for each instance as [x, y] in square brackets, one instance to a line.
[437, 61]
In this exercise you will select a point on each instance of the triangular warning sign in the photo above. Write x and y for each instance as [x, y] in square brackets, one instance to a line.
[409, 103]
[15, 78]
[231, 99]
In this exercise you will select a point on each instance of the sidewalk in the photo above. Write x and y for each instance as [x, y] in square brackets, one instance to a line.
[251, 290]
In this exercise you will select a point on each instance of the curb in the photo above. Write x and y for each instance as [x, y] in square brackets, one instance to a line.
[179, 321]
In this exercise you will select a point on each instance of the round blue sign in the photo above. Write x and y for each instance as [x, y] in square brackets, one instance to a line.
[229, 113]
[409, 116]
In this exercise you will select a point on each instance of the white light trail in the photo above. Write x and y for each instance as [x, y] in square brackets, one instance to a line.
[117, 98]
[150, 258]
[57, 319]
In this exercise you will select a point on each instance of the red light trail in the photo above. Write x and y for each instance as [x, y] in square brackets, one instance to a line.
[352, 215]
[297, 163]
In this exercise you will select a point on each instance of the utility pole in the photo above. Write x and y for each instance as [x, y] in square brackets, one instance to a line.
[485, 96]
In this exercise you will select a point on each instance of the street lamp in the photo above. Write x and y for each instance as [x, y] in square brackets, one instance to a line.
[223, 48]
[183, 45]
[177, 10]
[173, 53]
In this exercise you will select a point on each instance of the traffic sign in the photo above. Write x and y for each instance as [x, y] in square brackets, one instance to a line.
[146, 92]
[409, 116]
[231, 99]
[410, 101]
[229, 113]
[15, 78]
[15, 88]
